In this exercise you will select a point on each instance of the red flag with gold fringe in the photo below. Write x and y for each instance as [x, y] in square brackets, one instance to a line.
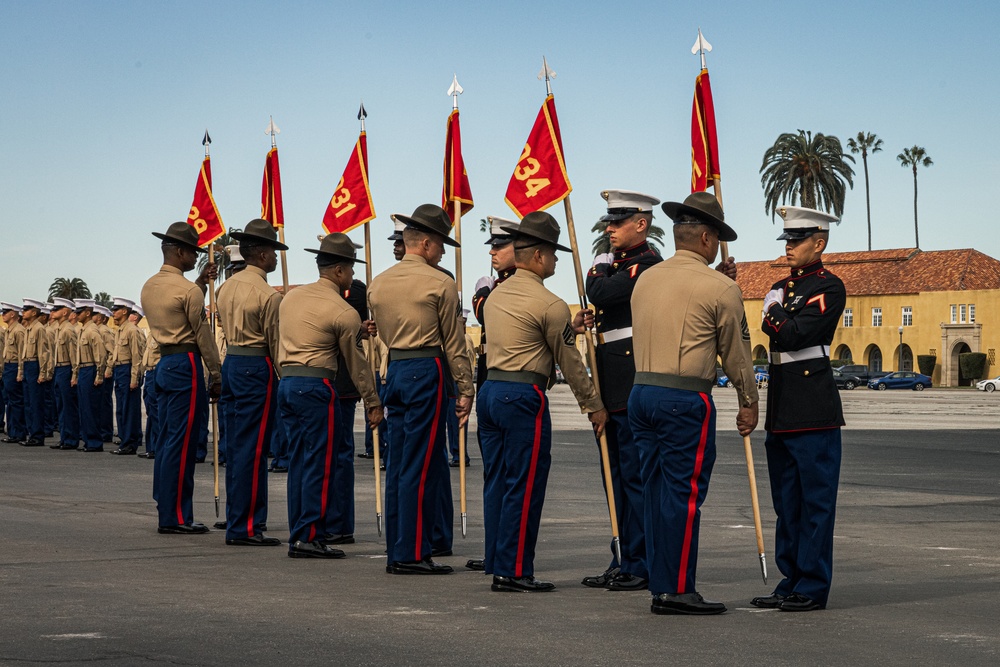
[456, 179]
[351, 204]
[540, 179]
[704, 141]
[270, 193]
[204, 215]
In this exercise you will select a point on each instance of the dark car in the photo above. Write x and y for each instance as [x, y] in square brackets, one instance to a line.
[846, 380]
[861, 372]
[900, 380]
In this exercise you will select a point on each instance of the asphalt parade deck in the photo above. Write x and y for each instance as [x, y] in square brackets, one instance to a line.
[85, 578]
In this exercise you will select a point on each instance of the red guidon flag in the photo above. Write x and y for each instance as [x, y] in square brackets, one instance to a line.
[456, 179]
[704, 141]
[351, 204]
[540, 179]
[270, 192]
[204, 215]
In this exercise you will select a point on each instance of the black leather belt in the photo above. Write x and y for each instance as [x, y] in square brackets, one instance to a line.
[123, 363]
[527, 377]
[307, 372]
[183, 348]
[243, 351]
[700, 385]
[420, 353]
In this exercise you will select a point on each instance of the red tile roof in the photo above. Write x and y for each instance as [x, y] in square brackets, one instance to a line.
[898, 271]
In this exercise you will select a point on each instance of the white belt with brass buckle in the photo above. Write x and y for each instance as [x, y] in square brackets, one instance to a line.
[804, 354]
[615, 334]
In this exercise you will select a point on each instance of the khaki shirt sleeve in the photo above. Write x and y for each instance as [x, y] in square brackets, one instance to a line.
[383, 351]
[46, 354]
[135, 347]
[195, 308]
[75, 356]
[453, 339]
[270, 327]
[559, 334]
[21, 342]
[100, 351]
[733, 338]
[351, 349]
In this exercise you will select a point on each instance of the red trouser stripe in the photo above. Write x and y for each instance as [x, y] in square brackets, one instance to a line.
[693, 498]
[526, 505]
[187, 437]
[427, 461]
[324, 499]
[261, 432]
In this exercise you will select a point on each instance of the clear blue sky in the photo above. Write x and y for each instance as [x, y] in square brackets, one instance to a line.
[105, 103]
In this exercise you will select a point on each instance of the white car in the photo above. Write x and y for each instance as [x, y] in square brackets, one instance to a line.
[989, 386]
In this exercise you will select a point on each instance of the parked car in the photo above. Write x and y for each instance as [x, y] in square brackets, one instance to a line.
[846, 381]
[989, 386]
[861, 372]
[721, 379]
[901, 380]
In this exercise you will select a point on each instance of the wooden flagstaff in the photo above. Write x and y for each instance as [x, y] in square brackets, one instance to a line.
[701, 46]
[370, 352]
[454, 91]
[214, 406]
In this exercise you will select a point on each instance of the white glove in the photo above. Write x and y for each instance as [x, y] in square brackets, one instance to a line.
[485, 281]
[775, 296]
[606, 258]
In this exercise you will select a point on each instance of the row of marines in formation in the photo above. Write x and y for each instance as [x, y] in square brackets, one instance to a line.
[661, 325]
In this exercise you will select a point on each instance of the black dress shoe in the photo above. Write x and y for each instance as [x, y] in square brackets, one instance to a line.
[68, 447]
[55, 446]
[601, 580]
[627, 582]
[220, 525]
[520, 585]
[9, 439]
[366, 455]
[278, 469]
[313, 550]
[199, 459]
[32, 442]
[381, 465]
[477, 564]
[183, 529]
[258, 540]
[150, 455]
[124, 451]
[440, 553]
[692, 604]
[420, 567]
[772, 601]
[796, 602]
[88, 450]
[337, 539]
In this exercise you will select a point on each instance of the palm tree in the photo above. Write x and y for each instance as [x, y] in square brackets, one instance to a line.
[69, 288]
[220, 252]
[602, 244]
[811, 170]
[914, 157]
[103, 299]
[864, 143]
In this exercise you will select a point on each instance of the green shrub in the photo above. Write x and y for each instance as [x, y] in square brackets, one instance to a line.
[972, 365]
[926, 363]
[837, 363]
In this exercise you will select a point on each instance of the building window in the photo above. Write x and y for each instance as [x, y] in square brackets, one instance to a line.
[848, 317]
[972, 313]
[907, 316]
[876, 317]
[961, 313]
[954, 313]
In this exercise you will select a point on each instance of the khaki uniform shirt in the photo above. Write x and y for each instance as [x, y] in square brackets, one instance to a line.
[67, 337]
[151, 355]
[248, 309]
[316, 325]
[684, 315]
[415, 305]
[90, 350]
[128, 349]
[175, 313]
[108, 336]
[51, 331]
[531, 330]
[36, 348]
[14, 344]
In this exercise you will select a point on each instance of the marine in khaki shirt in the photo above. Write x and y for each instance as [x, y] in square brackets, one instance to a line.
[36, 348]
[90, 350]
[13, 338]
[248, 310]
[128, 350]
[67, 337]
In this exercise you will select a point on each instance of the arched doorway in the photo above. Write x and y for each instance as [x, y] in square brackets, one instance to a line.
[874, 355]
[903, 358]
[844, 354]
[957, 379]
[759, 352]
